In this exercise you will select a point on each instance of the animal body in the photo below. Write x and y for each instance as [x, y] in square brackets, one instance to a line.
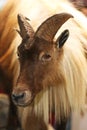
[52, 72]
[48, 70]
[8, 111]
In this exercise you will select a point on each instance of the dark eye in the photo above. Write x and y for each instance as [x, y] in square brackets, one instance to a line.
[45, 57]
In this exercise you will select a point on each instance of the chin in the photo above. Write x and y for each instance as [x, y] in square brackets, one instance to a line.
[23, 103]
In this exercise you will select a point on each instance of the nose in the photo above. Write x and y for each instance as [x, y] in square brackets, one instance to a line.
[21, 96]
[18, 97]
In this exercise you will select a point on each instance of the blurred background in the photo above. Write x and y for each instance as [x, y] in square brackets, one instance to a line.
[2, 2]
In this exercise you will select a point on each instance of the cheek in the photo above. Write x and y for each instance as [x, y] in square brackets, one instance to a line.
[38, 80]
[51, 75]
[43, 76]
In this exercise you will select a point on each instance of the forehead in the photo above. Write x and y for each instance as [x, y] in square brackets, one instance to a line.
[35, 44]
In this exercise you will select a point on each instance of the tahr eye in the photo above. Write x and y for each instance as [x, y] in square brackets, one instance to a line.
[44, 57]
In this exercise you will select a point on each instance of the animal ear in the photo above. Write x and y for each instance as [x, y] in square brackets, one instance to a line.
[62, 38]
[25, 28]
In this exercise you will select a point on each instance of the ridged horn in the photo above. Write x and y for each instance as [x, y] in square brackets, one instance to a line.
[49, 28]
[25, 28]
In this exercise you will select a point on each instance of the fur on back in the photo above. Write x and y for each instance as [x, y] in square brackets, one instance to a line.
[71, 93]
[8, 22]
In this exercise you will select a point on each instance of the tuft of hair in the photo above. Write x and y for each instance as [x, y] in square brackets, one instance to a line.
[8, 22]
[8, 61]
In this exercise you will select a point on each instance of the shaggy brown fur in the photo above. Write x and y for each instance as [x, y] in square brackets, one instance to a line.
[7, 64]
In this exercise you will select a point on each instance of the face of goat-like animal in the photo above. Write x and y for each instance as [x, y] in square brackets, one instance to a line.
[38, 56]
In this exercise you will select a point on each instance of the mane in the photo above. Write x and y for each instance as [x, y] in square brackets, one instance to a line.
[70, 95]
[8, 63]
[8, 41]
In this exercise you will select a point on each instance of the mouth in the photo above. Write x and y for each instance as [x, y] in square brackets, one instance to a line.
[24, 104]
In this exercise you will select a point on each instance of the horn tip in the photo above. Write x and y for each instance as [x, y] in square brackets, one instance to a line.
[20, 16]
[68, 14]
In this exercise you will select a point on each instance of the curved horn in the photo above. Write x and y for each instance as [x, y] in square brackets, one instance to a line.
[25, 28]
[49, 28]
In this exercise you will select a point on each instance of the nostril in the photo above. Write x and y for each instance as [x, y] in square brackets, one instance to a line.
[13, 96]
[21, 95]
[17, 97]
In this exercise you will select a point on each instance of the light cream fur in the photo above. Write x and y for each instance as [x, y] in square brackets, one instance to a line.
[69, 95]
